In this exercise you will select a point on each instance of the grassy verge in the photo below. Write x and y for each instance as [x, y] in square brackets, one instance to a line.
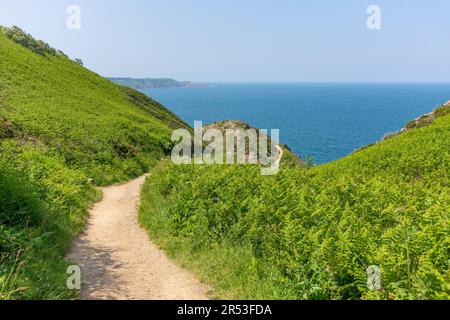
[43, 205]
[231, 270]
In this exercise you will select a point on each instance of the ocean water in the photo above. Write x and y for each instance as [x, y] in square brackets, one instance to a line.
[322, 121]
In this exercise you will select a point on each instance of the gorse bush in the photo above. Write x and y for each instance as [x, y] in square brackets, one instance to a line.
[313, 233]
[63, 129]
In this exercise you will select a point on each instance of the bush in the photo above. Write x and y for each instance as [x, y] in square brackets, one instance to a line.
[21, 37]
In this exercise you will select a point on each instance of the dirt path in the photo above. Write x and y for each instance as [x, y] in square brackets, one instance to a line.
[117, 259]
[280, 155]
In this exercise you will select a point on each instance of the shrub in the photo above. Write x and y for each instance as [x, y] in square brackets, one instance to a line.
[21, 37]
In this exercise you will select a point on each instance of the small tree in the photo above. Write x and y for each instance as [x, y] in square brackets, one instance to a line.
[79, 61]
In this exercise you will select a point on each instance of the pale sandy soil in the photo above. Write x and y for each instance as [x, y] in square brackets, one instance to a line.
[119, 262]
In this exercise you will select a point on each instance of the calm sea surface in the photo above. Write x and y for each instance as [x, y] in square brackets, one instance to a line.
[323, 121]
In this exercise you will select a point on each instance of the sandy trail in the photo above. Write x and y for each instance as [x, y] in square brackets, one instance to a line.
[119, 262]
[280, 156]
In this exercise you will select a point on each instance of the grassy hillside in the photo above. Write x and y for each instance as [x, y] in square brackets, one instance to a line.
[88, 120]
[63, 129]
[312, 233]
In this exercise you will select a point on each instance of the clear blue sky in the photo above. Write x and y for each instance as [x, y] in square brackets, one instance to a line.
[251, 40]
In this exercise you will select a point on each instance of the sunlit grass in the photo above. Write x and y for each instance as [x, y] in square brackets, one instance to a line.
[63, 130]
[312, 233]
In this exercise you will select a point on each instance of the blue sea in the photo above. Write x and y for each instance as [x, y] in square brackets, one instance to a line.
[322, 121]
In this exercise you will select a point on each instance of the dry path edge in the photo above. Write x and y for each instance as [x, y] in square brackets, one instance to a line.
[117, 259]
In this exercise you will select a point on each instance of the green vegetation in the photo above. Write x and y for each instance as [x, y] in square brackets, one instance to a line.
[311, 233]
[308, 232]
[428, 118]
[21, 37]
[43, 205]
[63, 130]
[110, 132]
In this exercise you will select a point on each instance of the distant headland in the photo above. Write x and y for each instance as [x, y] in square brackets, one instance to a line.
[149, 83]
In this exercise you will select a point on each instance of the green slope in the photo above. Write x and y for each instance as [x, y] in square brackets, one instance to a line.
[312, 233]
[63, 129]
[90, 121]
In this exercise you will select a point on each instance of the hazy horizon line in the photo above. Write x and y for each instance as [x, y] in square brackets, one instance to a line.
[284, 81]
